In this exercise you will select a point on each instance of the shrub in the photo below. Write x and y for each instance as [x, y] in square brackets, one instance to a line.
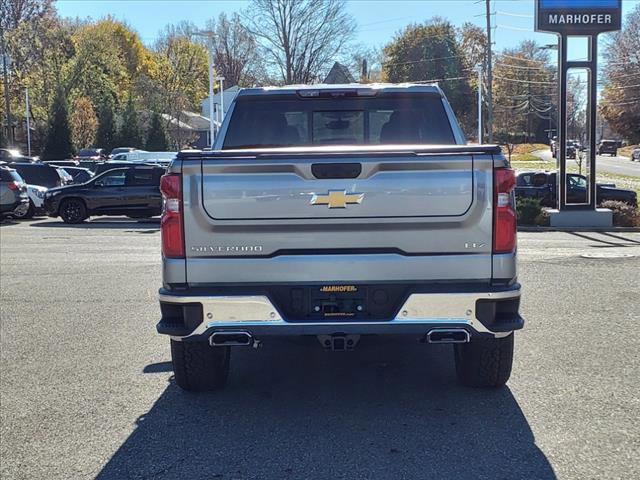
[528, 209]
[624, 215]
[543, 219]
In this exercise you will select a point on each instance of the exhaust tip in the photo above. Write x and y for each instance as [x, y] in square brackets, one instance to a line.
[230, 339]
[448, 335]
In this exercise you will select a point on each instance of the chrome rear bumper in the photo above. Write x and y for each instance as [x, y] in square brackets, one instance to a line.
[420, 312]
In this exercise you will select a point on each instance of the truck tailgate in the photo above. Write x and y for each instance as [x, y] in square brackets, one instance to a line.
[386, 187]
[416, 201]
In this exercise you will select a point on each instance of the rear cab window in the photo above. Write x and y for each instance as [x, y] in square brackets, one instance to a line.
[288, 120]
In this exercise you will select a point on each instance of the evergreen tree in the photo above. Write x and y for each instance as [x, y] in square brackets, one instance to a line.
[106, 135]
[3, 141]
[157, 137]
[129, 135]
[58, 144]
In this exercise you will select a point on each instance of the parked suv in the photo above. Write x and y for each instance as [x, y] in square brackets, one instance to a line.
[13, 193]
[39, 177]
[132, 191]
[608, 146]
[335, 212]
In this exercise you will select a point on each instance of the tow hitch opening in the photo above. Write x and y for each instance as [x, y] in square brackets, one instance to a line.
[338, 342]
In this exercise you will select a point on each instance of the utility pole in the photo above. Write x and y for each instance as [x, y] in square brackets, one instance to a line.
[210, 34]
[480, 104]
[489, 75]
[5, 69]
[26, 95]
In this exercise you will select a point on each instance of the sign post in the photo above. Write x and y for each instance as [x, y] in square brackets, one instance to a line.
[578, 18]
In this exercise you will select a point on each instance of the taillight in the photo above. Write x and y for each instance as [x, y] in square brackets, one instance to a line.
[171, 226]
[13, 186]
[504, 216]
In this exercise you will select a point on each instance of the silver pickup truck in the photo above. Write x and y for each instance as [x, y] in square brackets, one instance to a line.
[337, 212]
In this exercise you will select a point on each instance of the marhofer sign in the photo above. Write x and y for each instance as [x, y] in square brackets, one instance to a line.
[578, 17]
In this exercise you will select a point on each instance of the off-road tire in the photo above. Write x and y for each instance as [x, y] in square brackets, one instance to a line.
[484, 363]
[198, 367]
[73, 211]
[28, 214]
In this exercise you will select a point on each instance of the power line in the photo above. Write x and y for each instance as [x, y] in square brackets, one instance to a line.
[509, 27]
[421, 61]
[533, 82]
[509, 14]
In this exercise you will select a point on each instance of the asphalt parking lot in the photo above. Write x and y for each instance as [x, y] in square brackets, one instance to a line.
[86, 388]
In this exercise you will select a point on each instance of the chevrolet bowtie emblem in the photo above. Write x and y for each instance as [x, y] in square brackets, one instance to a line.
[337, 199]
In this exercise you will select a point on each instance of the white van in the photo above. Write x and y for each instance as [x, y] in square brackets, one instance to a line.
[141, 156]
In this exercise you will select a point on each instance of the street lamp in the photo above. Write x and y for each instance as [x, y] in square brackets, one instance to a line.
[210, 34]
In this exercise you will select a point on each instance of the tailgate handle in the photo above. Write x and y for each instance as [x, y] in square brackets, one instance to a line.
[324, 171]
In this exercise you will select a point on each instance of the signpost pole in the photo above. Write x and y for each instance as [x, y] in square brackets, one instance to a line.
[592, 118]
[562, 123]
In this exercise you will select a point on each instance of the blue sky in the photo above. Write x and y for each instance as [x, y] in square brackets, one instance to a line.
[378, 20]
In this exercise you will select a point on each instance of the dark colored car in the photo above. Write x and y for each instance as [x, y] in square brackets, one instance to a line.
[94, 154]
[41, 174]
[608, 146]
[543, 186]
[106, 166]
[133, 191]
[13, 193]
[80, 175]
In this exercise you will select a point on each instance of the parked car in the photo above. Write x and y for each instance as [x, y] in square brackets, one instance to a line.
[543, 186]
[635, 155]
[39, 177]
[111, 165]
[94, 154]
[40, 174]
[62, 163]
[119, 150]
[608, 146]
[573, 148]
[10, 155]
[80, 175]
[140, 156]
[132, 191]
[14, 200]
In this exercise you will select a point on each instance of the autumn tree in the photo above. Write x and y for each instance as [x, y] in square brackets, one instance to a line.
[108, 59]
[235, 51]
[58, 144]
[430, 52]
[620, 104]
[39, 45]
[300, 39]
[84, 123]
[15, 12]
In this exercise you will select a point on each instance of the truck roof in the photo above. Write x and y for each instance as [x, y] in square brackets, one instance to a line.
[375, 87]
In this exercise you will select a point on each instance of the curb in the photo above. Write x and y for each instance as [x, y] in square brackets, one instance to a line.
[579, 229]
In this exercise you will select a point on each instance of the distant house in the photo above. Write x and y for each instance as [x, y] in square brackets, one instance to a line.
[188, 128]
[228, 95]
[339, 74]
